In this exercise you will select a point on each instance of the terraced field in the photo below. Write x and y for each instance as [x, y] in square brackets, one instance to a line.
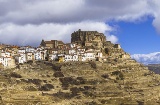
[79, 83]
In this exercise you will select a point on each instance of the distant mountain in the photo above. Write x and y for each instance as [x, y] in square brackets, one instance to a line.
[152, 58]
[154, 67]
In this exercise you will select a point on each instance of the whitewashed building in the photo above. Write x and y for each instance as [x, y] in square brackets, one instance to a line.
[72, 45]
[21, 58]
[90, 56]
[80, 51]
[30, 49]
[5, 54]
[99, 55]
[53, 56]
[72, 51]
[29, 56]
[21, 51]
[70, 58]
[4, 61]
[7, 62]
[40, 54]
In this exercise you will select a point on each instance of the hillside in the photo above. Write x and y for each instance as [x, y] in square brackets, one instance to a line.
[114, 82]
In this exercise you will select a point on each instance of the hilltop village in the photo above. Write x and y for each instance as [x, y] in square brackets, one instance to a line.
[87, 71]
[85, 46]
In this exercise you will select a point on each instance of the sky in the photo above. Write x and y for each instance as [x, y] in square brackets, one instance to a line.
[135, 24]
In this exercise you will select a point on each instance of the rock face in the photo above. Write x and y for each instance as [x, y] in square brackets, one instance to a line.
[88, 38]
[114, 82]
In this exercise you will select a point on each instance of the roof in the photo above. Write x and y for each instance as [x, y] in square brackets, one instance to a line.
[60, 42]
[49, 42]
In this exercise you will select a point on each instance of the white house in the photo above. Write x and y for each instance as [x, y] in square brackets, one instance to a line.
[53, 56]
[83, 58]
[40, 55]
[90, 55]
[80, 51]
[5, 54]
[99, 55]
[28, 49]
[21, 58]
[5, 60]
[72, 45]
[20, 51]
[29, 56]
[70, 58]
[72, 51]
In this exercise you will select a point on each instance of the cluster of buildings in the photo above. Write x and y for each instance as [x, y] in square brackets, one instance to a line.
[84, 46]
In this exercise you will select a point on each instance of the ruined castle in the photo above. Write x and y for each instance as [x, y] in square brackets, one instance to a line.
[88, 38]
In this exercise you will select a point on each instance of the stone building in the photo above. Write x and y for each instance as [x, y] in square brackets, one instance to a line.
[88, 38]
[52, 44]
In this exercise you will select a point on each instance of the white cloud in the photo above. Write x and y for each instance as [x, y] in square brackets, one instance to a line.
[112, 38]
[152, 58]
[28, 21]
[33, 34]
[62, 11]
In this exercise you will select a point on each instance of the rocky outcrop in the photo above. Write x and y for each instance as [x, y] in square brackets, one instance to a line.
[91, 38]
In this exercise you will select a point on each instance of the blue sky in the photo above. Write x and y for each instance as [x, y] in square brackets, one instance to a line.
[138, 37]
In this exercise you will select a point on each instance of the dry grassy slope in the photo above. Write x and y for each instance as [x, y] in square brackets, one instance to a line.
[78, 83]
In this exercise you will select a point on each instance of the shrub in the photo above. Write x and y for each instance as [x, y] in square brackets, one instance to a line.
[35, 81]
[75, 90]
[93, 64]
[66, 81]
[105, 76]
[119, 75]
[15, 75]
[116, 73]
[63, 95]
[69, 80]
[58, 74]
[56, 67]
[46, 87]
[81, 80]
[30, 62]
